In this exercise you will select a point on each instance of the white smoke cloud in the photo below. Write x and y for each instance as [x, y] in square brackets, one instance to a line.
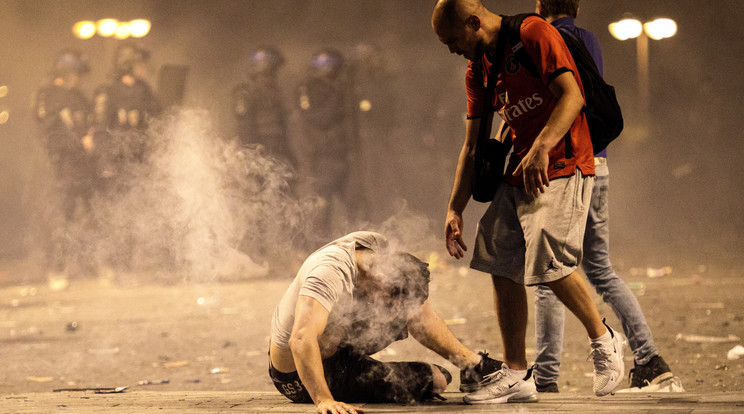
[200, 208]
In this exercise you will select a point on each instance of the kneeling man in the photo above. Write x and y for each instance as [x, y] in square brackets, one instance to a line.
[349, 300]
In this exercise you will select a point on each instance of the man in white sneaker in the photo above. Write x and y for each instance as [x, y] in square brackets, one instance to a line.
[533, 229]
[650, 371]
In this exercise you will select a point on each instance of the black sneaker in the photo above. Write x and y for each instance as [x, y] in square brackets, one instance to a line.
[549, 387]
[652, 373]
[471, 379]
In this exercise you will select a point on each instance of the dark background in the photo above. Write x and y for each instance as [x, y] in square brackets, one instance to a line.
[676, 191]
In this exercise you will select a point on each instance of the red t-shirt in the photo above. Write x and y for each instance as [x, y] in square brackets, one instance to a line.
[525, 102]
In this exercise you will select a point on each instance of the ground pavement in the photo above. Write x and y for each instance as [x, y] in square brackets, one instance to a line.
[182, 347]
[263, 402]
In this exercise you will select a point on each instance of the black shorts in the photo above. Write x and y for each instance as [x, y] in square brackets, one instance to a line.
[354, 377]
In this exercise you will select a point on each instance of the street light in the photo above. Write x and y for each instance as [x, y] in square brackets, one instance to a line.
[112, 28]
[140, 27]
[107, 27]
[84, 30]
[656, 29]
[660, 28]
[626, 29]
[123, 30]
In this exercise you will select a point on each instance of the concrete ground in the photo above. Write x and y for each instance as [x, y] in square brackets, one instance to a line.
[197, 348]
[263, 402]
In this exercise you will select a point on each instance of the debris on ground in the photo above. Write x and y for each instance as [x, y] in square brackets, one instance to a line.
[104, 351]
[638, 287]
[154, 382]
[97, 390]
[660, 272]
[735, 352]
[28, 291]
[172, 364]
[40, 379]
[457, 320]
[72, 326]
[707, 339]
[116, 390]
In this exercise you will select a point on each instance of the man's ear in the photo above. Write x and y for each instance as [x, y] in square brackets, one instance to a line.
[474, 22]
[538, 8]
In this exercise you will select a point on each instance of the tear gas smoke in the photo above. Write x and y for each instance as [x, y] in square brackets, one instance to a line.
[200, 208]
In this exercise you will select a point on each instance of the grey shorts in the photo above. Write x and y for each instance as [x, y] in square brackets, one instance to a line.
[534, 240]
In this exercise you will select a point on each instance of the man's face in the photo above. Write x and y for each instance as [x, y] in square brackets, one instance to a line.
[140, 70]
[74, 80]
[379, 293]
[461, 39]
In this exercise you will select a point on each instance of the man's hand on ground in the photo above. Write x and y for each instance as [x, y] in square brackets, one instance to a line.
[337, 407]
[453, 235]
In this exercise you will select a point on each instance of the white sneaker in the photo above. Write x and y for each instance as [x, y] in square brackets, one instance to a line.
[672, 384]
[506, 386]
[609, 367]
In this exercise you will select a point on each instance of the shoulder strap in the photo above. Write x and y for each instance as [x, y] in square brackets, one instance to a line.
[513, 25]
[579, 51]
[490, 84]
[510, 27]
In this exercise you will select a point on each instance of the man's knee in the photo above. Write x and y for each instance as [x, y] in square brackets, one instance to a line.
[441, 377]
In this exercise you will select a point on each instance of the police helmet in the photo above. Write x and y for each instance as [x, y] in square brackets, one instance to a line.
[127, 56]
[327, 62]
[70, 61]
[266, 59]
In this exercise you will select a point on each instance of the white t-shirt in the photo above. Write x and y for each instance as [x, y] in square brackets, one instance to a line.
[329, 276]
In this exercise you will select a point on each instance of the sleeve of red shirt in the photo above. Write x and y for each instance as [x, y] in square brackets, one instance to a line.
[547, 49]
[475, 91]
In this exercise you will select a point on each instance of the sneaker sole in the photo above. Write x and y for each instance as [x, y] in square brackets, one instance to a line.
[672, 384]
[661, 378]
[470, 388]
[511, 398]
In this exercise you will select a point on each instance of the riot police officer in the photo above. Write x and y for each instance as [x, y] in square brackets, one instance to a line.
[326, 135]
[124, 108]
[64, 114]
[258, 107]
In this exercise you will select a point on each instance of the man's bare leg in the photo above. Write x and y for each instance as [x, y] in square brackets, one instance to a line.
[510, 300]
[572, 291]
[427, 327]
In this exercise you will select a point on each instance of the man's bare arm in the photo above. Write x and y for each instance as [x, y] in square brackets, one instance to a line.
[461, 190]
[310, 322]
[534, 166]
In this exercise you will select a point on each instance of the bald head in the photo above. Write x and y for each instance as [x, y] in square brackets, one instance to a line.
[454, 13]
[465, 26]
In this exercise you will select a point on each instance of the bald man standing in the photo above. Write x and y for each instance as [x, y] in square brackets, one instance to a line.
[532, 232]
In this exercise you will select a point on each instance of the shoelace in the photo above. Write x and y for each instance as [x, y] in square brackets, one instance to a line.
[493, 377]
[600, 355]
